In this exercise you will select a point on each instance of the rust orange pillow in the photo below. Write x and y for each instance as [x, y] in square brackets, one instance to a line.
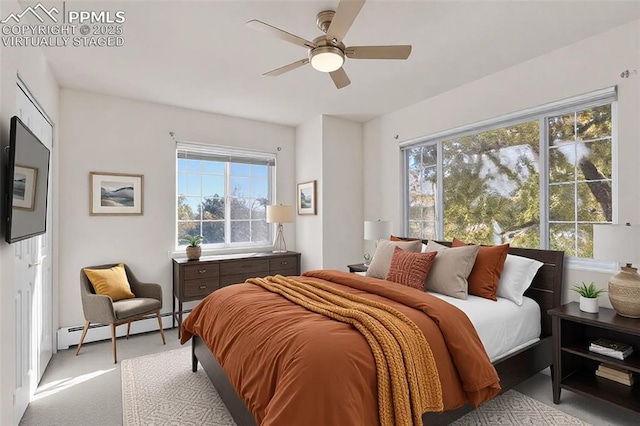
[410, 269]
[485, 275]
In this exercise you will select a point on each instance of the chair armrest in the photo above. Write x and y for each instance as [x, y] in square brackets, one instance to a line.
[150, 290]
[98, 308]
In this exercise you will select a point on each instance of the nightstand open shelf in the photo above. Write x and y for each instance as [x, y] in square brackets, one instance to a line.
[585, 382]
[632, 362]
[574, 366]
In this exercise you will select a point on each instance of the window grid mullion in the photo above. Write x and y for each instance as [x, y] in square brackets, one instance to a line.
[227, 203]
[439, 191]
[575, 183]
[201, 202]
[544, 143]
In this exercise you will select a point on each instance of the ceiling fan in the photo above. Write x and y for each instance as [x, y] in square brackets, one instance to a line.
[327, 52]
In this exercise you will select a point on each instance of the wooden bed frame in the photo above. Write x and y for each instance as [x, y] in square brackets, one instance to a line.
[546, 289]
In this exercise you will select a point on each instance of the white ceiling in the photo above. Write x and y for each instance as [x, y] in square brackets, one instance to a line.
[200, 55]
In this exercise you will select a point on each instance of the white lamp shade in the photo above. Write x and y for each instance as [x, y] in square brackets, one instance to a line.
[377, 229]
[326, 58]
[619, 243]
[281, 213]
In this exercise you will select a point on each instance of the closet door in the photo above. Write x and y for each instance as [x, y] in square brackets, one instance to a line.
[33, 279]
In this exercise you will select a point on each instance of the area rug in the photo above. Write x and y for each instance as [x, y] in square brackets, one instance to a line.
[513, 408]
[160, 389]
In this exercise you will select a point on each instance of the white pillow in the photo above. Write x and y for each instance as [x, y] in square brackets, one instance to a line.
[516, 277]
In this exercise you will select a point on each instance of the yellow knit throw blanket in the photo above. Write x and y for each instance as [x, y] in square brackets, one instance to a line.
[408, 381]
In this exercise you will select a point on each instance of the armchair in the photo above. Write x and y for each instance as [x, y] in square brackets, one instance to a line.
[102, 309]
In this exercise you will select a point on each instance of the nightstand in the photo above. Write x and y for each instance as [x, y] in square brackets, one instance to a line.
[358, 267]
[574, 365]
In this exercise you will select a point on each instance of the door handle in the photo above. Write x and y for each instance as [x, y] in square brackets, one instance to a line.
[38, 263]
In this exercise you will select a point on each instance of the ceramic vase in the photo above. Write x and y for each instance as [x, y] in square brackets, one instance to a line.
[624, 292]
[589, 304]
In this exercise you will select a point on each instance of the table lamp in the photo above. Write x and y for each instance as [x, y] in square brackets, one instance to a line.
[279, 214]
[621, 243]
[375, 230]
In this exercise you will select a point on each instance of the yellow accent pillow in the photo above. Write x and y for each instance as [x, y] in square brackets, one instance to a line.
[111, 282]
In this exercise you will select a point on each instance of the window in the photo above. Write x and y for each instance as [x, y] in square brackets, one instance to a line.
[490, 184]
[222, 195]
[580, 178]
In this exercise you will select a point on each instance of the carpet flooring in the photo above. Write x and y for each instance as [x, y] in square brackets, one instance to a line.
[161, 389]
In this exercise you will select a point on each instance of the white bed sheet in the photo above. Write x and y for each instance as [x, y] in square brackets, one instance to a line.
[503, 326]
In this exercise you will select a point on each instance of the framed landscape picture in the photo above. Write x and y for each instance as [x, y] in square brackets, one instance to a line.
[306, 199]
[115, 194]
[24, 187]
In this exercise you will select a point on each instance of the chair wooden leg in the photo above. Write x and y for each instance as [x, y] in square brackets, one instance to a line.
[113, 341]
[128, 329]
[164, 342]
[84, 333]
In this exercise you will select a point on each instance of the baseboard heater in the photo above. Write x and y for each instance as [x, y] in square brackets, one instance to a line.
[70, 336]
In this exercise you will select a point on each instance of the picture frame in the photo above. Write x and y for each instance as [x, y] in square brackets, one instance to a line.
[306, 198]
[114, 194]
[24, 187]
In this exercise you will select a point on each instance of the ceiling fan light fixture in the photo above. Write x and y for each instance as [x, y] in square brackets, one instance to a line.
[326, 58]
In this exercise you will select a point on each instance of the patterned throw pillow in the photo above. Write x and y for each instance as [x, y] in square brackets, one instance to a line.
[410, 269]
[379, 266]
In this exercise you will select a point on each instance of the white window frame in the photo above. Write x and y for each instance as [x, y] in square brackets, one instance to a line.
[230, 152]
[540, 113]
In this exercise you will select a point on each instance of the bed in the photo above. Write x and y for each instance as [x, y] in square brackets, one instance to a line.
[512, 368]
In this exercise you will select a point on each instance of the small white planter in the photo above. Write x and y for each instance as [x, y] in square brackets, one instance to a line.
[589, 305]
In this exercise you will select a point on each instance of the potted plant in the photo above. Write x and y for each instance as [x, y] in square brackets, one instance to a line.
[193, 249]
[588, 296]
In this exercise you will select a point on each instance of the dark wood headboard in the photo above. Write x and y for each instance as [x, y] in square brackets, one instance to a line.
[546, 288]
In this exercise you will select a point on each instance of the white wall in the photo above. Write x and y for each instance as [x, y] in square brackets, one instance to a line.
[111, 134]
[309, 233]
[34, 70]
[329, 150]
[585, 66]
[342, 221]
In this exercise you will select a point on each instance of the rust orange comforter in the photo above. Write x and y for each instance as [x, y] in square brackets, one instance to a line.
[295, 367]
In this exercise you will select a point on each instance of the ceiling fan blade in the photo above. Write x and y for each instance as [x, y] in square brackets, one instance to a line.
[281, 34]
[378, 52]
[340, 78]
[286, 68]
[346, 13]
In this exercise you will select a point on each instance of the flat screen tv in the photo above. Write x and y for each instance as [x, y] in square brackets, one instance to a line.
[27, 183]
